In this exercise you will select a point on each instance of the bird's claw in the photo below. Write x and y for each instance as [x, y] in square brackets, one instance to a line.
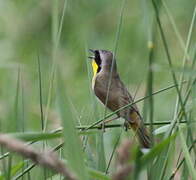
[126, 125]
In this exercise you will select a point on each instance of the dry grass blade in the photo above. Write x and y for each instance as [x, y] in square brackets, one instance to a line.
[123, 167]
[45, 159]
[122, 173]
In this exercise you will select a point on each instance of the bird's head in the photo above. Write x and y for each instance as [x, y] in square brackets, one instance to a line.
[102, 60]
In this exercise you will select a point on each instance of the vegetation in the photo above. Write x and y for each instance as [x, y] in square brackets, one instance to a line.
[46, 101]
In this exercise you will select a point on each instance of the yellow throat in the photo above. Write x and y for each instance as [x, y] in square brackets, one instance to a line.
[95, 68]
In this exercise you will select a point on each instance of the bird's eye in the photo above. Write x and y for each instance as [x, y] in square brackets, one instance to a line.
[97, 57]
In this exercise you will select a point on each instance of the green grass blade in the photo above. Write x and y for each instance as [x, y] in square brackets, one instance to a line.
[167, 52]
[36, 136]
[40, 93]
[72, 148]
[187, 155]
[174, 26]
[41, 136]
[15, 169]
[97, 175]
[101, 161]
[181, 163]
[155, 151]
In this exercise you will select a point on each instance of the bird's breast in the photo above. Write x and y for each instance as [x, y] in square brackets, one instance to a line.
[100, 86]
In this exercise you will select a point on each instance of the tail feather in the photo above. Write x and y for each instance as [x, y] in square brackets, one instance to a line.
[138, 126]
[143, 136]
[141, 132]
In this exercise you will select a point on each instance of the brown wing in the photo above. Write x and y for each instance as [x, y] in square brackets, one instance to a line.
[124, 99]
[118, 96]
[133, 118]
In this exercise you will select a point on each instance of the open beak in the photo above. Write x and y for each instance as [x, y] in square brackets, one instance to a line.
[92, 51]
[93, 56]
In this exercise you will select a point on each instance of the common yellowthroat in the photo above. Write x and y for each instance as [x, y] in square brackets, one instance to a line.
[108, 86]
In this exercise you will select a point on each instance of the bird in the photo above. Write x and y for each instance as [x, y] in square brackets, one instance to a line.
[113, 94]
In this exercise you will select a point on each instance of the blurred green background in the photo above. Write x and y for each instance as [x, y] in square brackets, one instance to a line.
[29, 30]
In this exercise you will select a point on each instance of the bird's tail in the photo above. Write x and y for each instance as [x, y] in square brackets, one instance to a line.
[141, 131]
[143, 136]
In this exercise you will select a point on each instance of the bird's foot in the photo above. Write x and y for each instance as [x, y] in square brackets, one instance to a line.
[126, 125]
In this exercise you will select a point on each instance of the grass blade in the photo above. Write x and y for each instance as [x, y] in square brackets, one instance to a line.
[72, 148]
[156, 150]
[94, 174]
[187, 156]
